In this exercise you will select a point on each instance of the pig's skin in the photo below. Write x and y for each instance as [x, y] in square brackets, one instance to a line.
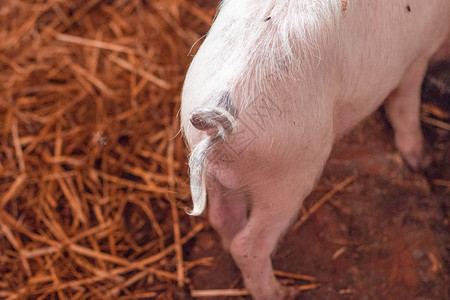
[326, 69]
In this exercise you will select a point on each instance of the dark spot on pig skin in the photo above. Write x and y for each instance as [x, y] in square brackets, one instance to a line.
[268, 18]
[408, 8]
[226, 102]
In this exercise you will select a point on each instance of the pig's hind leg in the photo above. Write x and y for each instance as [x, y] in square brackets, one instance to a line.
[403, 111]
[273, 207]
[227, 211]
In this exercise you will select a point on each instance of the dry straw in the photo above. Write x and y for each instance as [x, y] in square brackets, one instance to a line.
[92, 171]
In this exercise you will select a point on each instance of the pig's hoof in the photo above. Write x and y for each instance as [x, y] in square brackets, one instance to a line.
[291, 293]
[414, 150]
[418, 160]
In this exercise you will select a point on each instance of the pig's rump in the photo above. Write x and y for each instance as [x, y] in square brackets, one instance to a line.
[321, 69]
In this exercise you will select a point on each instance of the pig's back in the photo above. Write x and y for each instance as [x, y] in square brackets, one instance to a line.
[380, 40]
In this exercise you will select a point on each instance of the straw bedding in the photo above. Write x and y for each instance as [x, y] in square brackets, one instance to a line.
[92, 168]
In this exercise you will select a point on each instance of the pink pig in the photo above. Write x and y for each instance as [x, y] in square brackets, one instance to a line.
[274, 85]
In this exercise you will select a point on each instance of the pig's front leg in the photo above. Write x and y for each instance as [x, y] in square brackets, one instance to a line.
[403, 111]
[273, 206]
[227, 211]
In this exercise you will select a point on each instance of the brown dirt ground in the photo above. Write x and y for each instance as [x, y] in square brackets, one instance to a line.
[385, 236]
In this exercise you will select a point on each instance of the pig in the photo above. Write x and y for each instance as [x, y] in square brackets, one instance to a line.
[274, 85]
